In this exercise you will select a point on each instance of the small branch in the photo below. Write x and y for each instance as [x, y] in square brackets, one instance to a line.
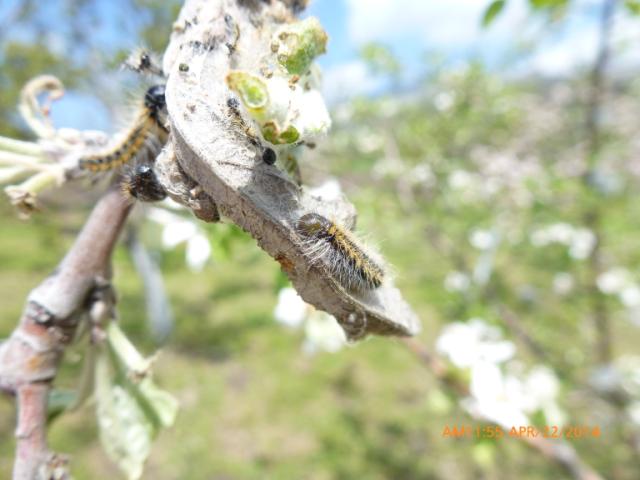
[29, 359]
[517, 329]
[214, 147]
[560, 452]
[31, 438]
[593, 147]
[598, 78]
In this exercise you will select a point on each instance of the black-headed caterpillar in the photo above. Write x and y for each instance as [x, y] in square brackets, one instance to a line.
[146, 136]
[340, 252]
[142, 184]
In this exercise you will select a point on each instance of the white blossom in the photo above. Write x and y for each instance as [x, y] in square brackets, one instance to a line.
[466, 344]
[582, 243]
[290, 310]
[495, 397]
[613, 281]
[633, 410]
[330, 190]
[482, 239]
[198, 252]
[322, 332]
[508, 400]
[444, 101]
[177, 230]
[456, 281]
[461, 180]
[579, 241]
[630, 296]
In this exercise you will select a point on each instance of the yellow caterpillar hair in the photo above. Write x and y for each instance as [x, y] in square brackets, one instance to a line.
[146, 135]
[340, 252]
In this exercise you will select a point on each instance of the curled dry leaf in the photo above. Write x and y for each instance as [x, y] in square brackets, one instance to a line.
[221, 154]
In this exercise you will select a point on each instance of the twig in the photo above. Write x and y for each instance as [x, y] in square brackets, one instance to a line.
[560, 452]
[213, 147]
[594, 144]
[29, 359]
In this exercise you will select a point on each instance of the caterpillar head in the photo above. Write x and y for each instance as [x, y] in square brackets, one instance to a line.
[312, 225]
[154, 98]
[141, 183]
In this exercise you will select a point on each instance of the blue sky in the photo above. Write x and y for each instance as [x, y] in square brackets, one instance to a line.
[411, 28]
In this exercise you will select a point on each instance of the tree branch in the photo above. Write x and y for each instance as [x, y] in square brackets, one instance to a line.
[29, 359]
[214, 149]
[594, 144]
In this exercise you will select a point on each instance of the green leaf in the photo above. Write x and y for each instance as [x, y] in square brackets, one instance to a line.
[548, 4]
[492, 12]
[299, 44]
[125, 431]
[58, 402]
[633, 6]
[131, 409]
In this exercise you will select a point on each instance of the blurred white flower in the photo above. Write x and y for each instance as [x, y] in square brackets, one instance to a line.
[634, 412]
[198, 252]
[482, 239]
[466, 344]
[613, 281]
[583, 241]
[580, 241]
[495, 397]
[563, 283]
[508, 400]
[630, 296]
[290, 310]
[555, 233]
[329, 190]
[177, 230]
[461, 180]
[368, 141]
[444, 101]
[456, 281]
[422, 174]
[323, 333]
[542, 388]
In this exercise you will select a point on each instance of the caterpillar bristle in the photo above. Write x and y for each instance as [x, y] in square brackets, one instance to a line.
[143, 61]
[141, 183]
[146, 136]
[340, 252]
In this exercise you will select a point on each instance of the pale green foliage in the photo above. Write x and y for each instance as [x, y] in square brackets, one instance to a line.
[298, 44]
[286, 105]
[131, 409]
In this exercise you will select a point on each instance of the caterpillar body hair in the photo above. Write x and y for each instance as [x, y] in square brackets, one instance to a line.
[142, 184]
[340, 252]
[144, 62]
[147, 134]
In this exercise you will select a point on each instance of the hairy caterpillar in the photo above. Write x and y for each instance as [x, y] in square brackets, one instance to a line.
[335, 247]
[144, 62]
[141, 183]
[145, 135]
